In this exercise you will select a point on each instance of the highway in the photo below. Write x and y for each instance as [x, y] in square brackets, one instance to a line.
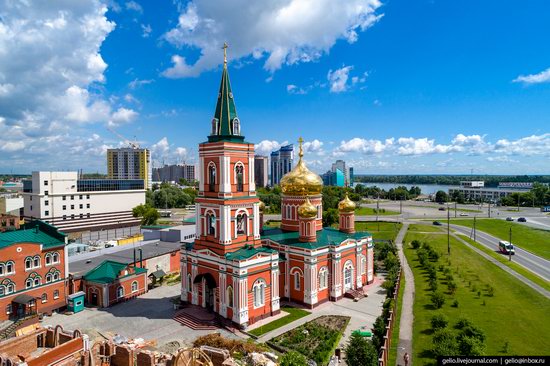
[532, 262]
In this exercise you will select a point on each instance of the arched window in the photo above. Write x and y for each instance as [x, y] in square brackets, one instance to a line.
[134, 286]
[211, 224]
[36, 261]
[10, 288]
[239, 177]
[44, 298]
[48, 259]
[214, 126]
[48, 278]
[323, 278]
[2, 269]
[2, 290]
[363, 265]
[37, 281]
[56, 276]
[211, 177]
[10, 267]
[296, 280]
[28, 263]
[259, 293]
[242, 223]
[348, 276]
[120, 292]
[28, 283]
[229, 295]
[236, 126]
[55, 257]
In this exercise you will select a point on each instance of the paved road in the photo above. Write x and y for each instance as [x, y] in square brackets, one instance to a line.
[532, 262]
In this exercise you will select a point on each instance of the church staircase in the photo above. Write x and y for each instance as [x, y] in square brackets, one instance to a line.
[356, 295]
[197, 318]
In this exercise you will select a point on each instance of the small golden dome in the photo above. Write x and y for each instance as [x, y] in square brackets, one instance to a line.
[307, 210]
[301, 181]
[346, 205]
[262, 206]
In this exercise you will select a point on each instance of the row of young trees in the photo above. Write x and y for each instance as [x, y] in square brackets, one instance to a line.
[166, 195]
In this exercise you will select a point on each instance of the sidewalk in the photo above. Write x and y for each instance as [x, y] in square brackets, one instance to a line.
[406, 323]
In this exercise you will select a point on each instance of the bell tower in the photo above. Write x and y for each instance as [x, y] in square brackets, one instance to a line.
[227, 209]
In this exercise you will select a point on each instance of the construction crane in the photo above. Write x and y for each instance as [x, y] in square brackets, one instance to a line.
[132, 144]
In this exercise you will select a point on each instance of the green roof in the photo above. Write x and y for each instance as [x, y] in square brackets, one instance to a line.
[226, 112]
[247, 252]
[34, 232]
[325, 237]
[108, 271]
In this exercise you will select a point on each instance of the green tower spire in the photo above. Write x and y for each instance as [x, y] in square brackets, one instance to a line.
[226, 125]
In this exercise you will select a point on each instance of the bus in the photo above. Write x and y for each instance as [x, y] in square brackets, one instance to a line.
[506, 248]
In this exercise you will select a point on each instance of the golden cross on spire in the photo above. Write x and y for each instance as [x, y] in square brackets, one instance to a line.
[301, 151]
[225, 46]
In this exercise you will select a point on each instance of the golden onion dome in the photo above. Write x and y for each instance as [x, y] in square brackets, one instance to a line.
[307, 210]
[346, 205]
[262, 206]
[301, 181]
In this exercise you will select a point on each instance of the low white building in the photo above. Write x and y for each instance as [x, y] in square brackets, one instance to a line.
[11, 204]
[72, 204]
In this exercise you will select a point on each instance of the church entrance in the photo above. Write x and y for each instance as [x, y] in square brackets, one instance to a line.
[208, 284]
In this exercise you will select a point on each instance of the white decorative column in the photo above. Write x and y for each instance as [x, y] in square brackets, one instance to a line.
[195, 293]
[358, 267]
[336, 288]
[256, 226]
[275, 300]
[223, 287]
[242, 313]
[251, 182]
[198, 221]
[183, 275]
[203, 285]
[225, 176]
[310, 283]
[201, 174]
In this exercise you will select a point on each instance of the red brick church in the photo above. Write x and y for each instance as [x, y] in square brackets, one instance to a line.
[242, 271]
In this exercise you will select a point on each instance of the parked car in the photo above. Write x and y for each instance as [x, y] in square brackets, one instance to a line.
[463, 214]
[509, 219]
[437, 223]
[442, 209]
[522, 219]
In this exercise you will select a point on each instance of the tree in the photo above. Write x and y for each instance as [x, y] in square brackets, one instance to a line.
[445, 343]
[360, 352]
[330, 217]
[438, 300]
[439, 321]
[293, 358]
[149, 215]
[441, 197]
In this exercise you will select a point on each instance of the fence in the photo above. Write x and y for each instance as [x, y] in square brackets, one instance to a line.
[385, 349]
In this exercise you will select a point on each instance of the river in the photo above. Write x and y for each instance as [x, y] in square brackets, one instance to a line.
[425, 188]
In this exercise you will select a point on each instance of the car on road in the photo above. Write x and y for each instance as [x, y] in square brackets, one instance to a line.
[509, 219]
[442, 209]
[522, 219]
[463, 214]
[437, 223]
[506, 247]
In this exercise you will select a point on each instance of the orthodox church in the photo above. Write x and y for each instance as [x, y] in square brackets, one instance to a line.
[241, 270]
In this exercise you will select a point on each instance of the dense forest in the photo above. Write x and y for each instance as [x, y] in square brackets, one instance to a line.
[490, 180]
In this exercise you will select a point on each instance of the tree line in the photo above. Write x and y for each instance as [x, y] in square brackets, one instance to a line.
[490, 180]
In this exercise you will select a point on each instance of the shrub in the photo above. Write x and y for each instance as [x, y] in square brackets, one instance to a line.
[445, 343]
[378, 332]
[463, 323]
[416, 244]
[439, 321]
[360, 352]
[438, 300]
[433, 284]
[293, 358]
[449, 277]
[441, 268]
[455, 303]
[451, 286]
[470, 346]
[216, 340]
[491, 291]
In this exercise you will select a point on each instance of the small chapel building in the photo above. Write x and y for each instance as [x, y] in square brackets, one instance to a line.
[242, 271]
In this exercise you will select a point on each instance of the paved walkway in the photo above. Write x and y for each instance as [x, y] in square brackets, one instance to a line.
[406, 322]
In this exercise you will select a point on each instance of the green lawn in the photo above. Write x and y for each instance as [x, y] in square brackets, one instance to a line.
[363, 211]
[272, 224]
[513, 265]
[452, 208]
[293, 314]
[379, 230]
[534, 240]
[514, 314]
[392, 357]
[425, 228]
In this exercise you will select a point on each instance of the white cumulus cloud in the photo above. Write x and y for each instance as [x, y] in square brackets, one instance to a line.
[265, 147]
[541, 77]
[280, 32]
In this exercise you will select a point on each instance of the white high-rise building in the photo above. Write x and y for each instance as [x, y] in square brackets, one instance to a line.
[72, 204]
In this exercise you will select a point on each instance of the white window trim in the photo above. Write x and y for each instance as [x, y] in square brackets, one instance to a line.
[261, 284]
[132, 287]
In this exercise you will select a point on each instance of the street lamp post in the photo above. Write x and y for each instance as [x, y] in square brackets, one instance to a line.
[448, 231]
[510, 250]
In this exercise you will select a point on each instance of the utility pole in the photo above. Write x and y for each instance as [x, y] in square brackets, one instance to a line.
[455, 209]
[378, 210]
[489, 210]
[401, 206]
[448, 231]
[510, 249]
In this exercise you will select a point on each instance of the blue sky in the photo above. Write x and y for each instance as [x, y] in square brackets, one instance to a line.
[393, 87]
